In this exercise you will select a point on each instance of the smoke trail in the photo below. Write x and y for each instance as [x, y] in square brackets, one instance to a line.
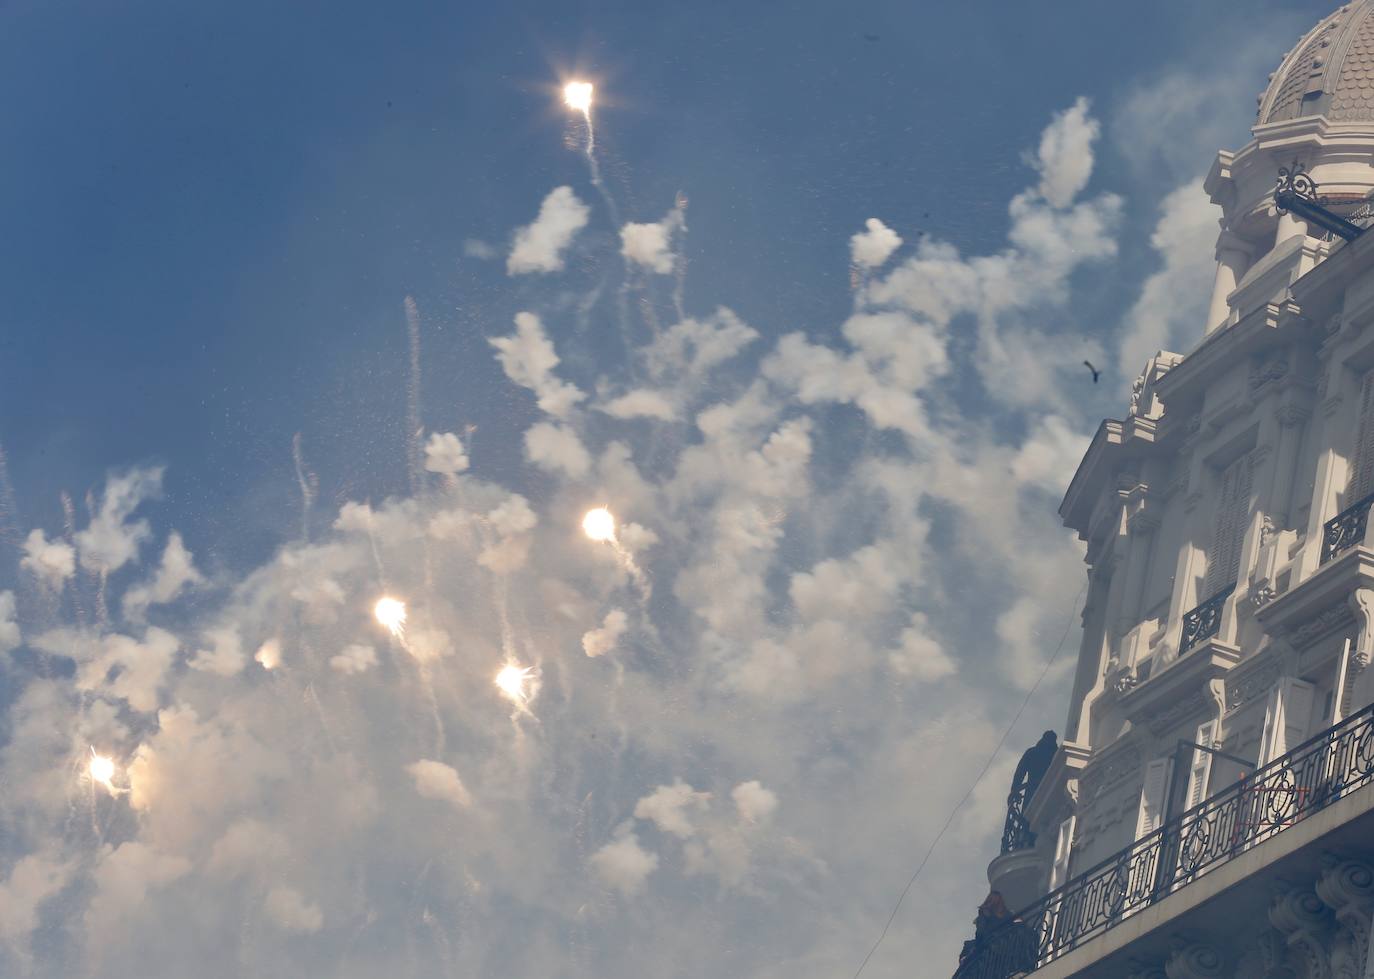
[309, 484]
[594, 168]
[680, 258]
[69, 534]
[413, 427]
[9, 510]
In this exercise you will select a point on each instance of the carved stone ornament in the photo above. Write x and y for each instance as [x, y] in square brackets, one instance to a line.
[1190, 706]
[1328, 620]
[1194, 960]
[1107, 774]
[1261, 595]
[1254, 684]
[1291, 416]
[1307, 925]
[1269, 369]
[1137, 386]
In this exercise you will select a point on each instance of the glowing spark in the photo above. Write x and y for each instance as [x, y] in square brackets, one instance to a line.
[391, 612]
[513, 680]
[599, 524]
[102, 770]
[578, 95]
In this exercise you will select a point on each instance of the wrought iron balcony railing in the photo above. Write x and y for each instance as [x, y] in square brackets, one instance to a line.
[1203, 622]
[1016, 831]
[1345, 529]
[1236, 819]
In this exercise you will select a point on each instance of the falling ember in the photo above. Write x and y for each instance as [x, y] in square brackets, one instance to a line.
[102, 770]
[514, 683]
[578, 95]
[391, 612]
[599, 524]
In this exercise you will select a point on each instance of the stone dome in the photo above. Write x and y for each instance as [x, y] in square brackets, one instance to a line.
[1330, 72]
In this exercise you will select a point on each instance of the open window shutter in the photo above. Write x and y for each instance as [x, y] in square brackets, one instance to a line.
[1345, 686]
[1297, 713]
[1273, 721]
[1286, 718]
[1200, 770]
[1152, 795]
[1063, 850]
[1362, 476]
[1228, 529]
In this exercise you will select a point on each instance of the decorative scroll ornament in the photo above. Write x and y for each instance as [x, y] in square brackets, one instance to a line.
[1294, 181]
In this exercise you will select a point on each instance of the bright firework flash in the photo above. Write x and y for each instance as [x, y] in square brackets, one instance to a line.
[518, 684]
[101, 771]
[577, 95]
[391, 613]
[599, 525]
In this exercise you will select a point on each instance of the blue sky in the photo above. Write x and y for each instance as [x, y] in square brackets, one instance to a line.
[839, 568]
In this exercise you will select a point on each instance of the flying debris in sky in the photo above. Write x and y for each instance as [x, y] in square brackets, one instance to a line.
[391, 612]
[599, 524]
[102, 769]
[1096, 373]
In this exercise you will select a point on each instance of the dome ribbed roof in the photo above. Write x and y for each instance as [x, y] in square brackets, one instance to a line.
[1330, 72]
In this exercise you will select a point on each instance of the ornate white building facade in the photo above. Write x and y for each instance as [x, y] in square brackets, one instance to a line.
[1210, 809]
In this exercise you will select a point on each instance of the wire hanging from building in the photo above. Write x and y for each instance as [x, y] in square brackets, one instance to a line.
[1049, 664]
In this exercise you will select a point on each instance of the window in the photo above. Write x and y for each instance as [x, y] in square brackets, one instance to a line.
[1063, 850]
[1228, 529]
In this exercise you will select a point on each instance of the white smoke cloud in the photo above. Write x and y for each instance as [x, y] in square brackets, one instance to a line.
[288, 909]
[599, 642]
[435, 780]
[52, 562]
[1171, 311]
[176, 573]
[444, 454]
[539, 247]
[798, 646]
[753, 802]
[624, 865]
[110, 540]
[528, 358]
[873, 247]
[670, 807]
[641, 403]
[650, 245]
[1065, 157]
[356, 658]
[224, 657]
[557, 449]
[10, 635]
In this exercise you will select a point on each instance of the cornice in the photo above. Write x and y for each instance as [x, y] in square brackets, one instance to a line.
[1180, 689]
[1318, 605]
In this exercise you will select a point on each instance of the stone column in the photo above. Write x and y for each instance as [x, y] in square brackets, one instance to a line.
[1233, 258]
[1291, 419]
[1289, 225]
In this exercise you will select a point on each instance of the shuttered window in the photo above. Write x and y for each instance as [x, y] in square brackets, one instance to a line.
[1152, 796]
[1200, 769]
[1228, 528]
[1362, 463]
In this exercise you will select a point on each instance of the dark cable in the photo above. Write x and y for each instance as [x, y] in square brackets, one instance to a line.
[983, 771]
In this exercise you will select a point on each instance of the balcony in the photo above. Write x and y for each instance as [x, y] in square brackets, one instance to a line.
[1262, 805]
[1203, 622]
[1346, 529]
